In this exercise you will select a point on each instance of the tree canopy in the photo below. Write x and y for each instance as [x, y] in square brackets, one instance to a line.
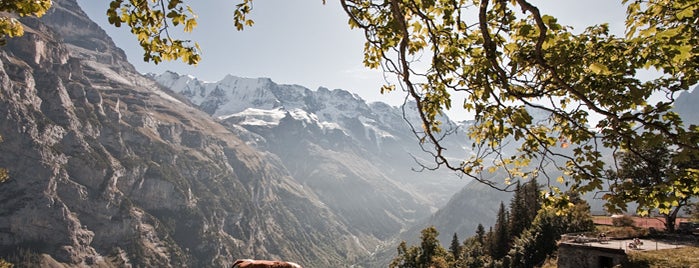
[511, 62]
[655, 177]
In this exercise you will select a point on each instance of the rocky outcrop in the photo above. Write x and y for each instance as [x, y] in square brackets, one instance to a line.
[107, 169]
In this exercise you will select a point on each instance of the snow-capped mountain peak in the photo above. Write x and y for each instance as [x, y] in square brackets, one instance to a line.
[261, 98]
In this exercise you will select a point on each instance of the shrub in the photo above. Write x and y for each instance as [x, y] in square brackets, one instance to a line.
[623, 221]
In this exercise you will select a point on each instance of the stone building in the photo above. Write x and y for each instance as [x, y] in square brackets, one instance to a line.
[574, 255]
[578, 251]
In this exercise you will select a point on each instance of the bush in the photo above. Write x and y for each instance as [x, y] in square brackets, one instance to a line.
[623, 221]
[622, 232]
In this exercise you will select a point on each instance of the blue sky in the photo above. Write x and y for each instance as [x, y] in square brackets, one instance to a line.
[305, 42]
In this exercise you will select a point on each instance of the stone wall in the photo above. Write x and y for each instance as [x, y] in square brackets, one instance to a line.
[584, 256]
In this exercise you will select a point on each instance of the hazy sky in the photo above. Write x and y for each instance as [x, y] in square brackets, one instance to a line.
[305, 42]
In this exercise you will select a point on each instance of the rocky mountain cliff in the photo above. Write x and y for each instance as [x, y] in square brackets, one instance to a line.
[108, 169]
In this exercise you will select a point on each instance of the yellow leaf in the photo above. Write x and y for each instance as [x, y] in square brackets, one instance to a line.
[599, 68]
[560, 179]
[685, 13]
[189, 25]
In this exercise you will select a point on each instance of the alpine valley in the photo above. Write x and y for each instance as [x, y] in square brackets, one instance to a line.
[112, 168]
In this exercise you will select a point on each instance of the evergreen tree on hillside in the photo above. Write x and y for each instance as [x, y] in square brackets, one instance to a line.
[430, 253]
[501, 235]
[524, 206]
[518, 212]
[531, 204]
[455, 247]
[500, 247]
[532, 199]
[480, 234]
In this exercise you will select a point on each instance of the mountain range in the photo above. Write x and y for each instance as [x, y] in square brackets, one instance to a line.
[355, 156]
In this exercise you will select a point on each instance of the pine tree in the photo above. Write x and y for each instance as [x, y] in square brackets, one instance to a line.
[480, 234]
[489, 241]
[532, 200]
[455, 248]
[501, 236]
[524, 206]
[519, 215]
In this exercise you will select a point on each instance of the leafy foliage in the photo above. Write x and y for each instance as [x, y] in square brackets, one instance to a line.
[654, 176]
[9, 25]
[474, 254]
[511, 61]
[150, 22]
[624, 232]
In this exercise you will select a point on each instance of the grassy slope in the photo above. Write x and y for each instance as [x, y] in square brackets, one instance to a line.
[681, 257]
